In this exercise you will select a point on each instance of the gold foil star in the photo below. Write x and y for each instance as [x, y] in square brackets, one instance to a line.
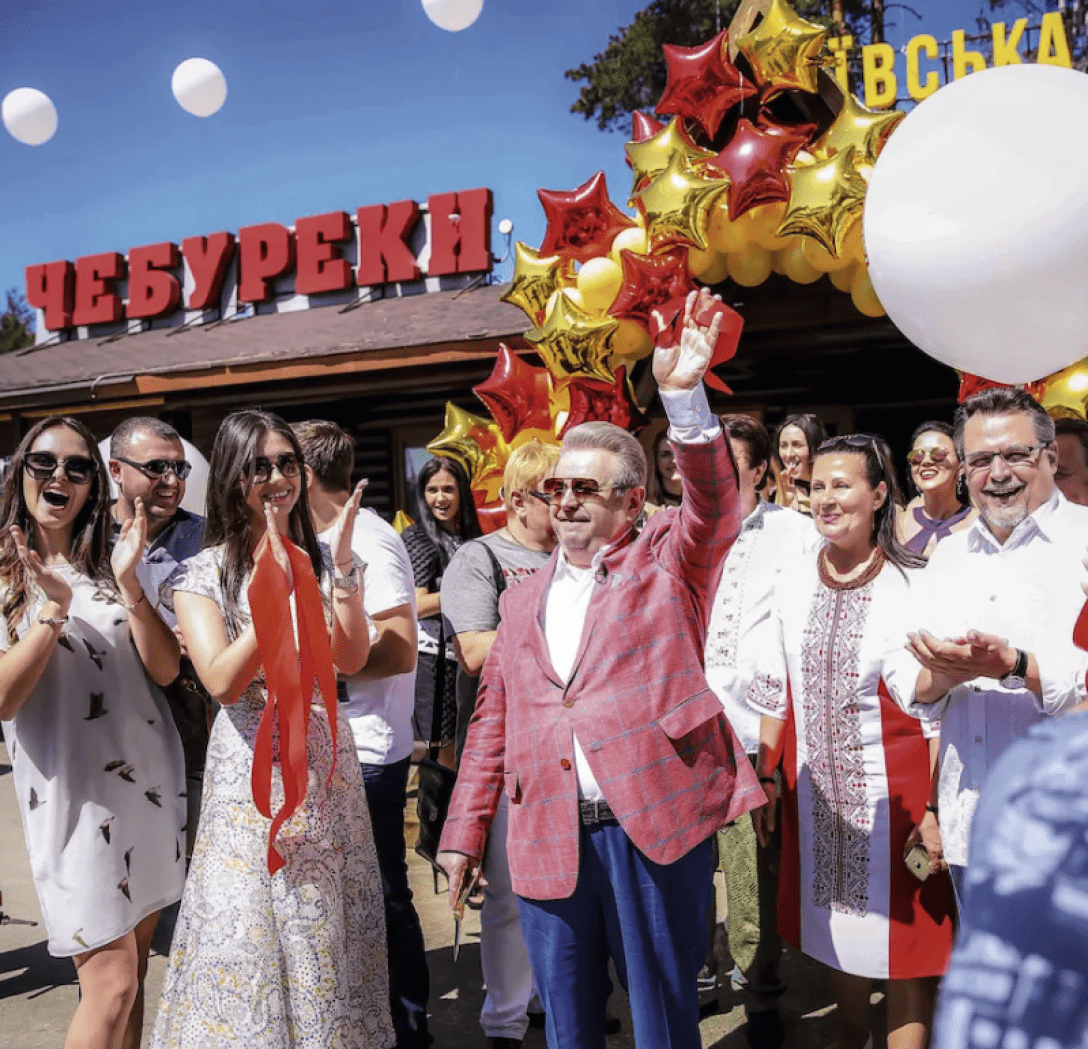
[826, 199]
[651, 156]
[784, 50]
[574, 343]
[677, 205]
[535, 280]
[473, 442]
[867, 130]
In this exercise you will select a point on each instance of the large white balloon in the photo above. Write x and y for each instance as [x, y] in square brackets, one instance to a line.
[453, 15]
[199, 87]
[196, 484]
[29, 115]
[976, 223]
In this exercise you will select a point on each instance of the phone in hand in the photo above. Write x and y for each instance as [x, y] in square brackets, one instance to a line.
[917, 860]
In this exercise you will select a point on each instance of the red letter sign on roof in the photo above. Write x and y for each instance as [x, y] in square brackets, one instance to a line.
[51, 287]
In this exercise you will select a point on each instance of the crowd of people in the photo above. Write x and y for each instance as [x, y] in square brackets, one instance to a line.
[783, 665]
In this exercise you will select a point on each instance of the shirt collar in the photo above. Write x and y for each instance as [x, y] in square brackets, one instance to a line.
[755, 519]
[1038, 523]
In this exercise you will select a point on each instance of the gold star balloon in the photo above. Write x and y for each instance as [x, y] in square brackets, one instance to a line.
[650, 157]
[536, 279]
[572, 343]
[867, 130]
[473, 442]
[826, 199]
[784, 51]
[1065, 394]
[677, 205]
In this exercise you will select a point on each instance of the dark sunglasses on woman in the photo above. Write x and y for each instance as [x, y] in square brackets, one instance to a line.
[79, 469]
[937, 455]
[288, 465]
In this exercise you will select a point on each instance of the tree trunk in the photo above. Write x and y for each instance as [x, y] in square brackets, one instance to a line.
[839, 16]
[876, 21]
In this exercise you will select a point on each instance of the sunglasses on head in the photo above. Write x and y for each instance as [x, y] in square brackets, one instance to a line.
[288, 465]
[936, 455]
[156, 468]
[79, 469]
[581, 488]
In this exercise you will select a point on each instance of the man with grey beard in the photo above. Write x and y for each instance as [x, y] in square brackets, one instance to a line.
[998, 602]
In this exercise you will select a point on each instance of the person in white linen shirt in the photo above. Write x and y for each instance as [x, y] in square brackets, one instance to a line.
[998, 604]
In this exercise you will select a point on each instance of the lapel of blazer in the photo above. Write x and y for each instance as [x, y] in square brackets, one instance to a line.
[538, 641]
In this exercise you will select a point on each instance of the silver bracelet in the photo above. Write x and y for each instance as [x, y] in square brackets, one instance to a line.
[350, 581]
[52, 620]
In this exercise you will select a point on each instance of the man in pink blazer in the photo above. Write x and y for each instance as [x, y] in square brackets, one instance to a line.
[595, 718]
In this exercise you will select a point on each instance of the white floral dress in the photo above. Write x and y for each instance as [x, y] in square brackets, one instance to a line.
[99, 778]
[295, 959]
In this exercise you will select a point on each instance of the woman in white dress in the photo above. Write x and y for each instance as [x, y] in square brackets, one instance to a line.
[295, 959]
[97, 764]
[855, 767]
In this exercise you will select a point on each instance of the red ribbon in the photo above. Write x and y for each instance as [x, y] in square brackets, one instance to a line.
[291, 673]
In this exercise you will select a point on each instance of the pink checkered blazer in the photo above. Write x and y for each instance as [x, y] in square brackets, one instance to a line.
[653, 732]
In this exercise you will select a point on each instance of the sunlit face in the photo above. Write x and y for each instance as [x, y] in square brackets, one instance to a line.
[1072, 475]
[55, 503]
[161, 495]
[1005, 495]
[584, 528]
[443, 499]
[667, 468]
[940, 468]
[844, 504]
[279, 492]
[537, 515]
[794, 451]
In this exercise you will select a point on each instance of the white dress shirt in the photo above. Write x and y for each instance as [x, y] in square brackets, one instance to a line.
[1028, 591]
[571, 588]
[770, 536]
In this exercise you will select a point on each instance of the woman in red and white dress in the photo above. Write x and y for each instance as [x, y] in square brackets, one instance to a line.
[855, 769]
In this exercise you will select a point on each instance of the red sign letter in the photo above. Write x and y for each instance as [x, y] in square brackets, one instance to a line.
[152, 291]
[51, 287]
[96, 301]
[384, 255]
[460, 232]
[208, 258]
[320, 267]
[265, 252]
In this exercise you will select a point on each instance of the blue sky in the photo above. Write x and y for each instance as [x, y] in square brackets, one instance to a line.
[330, 106]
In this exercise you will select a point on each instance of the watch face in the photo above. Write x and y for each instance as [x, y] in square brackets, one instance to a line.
[1012, 681]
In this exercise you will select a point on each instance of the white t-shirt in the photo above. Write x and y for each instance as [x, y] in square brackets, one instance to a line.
[381, 711]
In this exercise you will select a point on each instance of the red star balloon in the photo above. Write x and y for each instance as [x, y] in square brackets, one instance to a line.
[601, 401]
[770, 122]
[703, 84]
[650, 281]
[756, 163]
[665, 331]
[582, 223]
[517, 394]
[643, 126]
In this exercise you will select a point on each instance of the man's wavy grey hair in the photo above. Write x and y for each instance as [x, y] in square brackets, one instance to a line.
[631, 459]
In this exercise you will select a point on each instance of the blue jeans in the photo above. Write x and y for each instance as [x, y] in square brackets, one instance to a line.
[409, 981]
[649, 917]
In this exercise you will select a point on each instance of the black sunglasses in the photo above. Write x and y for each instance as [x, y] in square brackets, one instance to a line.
[156, 468]
[288, 465]
[79, 469]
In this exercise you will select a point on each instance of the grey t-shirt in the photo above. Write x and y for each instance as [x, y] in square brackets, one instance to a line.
[470, 598]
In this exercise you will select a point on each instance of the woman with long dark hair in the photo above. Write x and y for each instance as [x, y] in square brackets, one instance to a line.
[447, 518]
[940, 506]
[855, 769]
[295, 958]
[794, 448]
[98, 767]
[665, 487]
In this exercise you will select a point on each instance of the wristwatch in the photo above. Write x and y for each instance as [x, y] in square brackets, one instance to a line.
[1015, 678]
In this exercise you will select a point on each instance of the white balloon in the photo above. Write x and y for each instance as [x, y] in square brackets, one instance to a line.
[199, 87]
[196, 484]
[976, 223]
[29, 115]
[453, 15]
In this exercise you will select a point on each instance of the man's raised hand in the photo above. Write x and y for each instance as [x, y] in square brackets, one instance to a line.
[682, 365]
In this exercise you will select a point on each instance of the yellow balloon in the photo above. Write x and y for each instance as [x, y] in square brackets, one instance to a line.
[727, 237]
[819, 258]
[794, 265]
[1065, 393]
[750, 268]
[599, 281]
[844, 279]
[853, 247]
[629, 342]
[864, 296]
[762, 225]
[631, 239]
[708, 266]
[573, 294]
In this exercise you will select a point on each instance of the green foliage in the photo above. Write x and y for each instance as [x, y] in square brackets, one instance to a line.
[16, 324]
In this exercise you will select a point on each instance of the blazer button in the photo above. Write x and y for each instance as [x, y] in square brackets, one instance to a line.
[568, 702]
[564, 764]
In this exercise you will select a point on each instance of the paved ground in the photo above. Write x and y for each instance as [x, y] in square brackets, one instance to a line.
[38, 993]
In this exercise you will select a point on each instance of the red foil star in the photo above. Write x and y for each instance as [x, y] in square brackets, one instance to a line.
[643, 126]
[604, 402]
[649, 282]
[769, 121]
[756, 163]
[703, 84]
[582, 223]
[517, 394]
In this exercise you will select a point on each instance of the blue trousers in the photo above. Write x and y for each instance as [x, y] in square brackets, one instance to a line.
[409, 981]
[649, 918]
